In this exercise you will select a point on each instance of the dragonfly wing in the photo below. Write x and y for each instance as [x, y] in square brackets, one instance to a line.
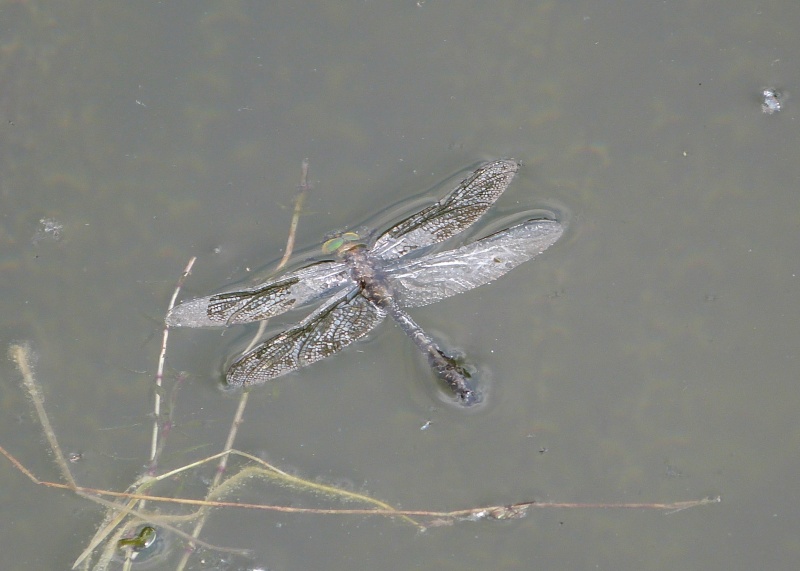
[438, 276]
[451, 215]
[289, 291]
[328, 330]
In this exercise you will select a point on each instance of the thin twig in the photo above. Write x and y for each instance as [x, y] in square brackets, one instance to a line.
[485, 512]
[305, 188]
[160, 369]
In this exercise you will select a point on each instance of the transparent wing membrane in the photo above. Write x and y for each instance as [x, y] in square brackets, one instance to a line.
[328, 330]
[290, 291]
[436, 277]
[452, 214]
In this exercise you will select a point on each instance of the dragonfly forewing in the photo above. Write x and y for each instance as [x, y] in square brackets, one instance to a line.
[328, 330]
[452, 214]
[435, 277]
[295, 289]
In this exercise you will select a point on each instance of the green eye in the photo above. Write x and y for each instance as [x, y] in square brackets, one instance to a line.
[334, 244]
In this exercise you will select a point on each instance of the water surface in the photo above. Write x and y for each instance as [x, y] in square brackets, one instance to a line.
[650, 356]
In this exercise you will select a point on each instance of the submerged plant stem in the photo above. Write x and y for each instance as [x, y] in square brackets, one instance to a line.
[21, 355]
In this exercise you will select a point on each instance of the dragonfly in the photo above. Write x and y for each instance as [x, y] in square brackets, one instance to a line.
[371, 278]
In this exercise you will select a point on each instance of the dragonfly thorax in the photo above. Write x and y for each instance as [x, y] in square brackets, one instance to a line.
[367, 273]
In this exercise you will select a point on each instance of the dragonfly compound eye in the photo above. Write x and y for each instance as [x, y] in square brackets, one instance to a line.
[334, 244]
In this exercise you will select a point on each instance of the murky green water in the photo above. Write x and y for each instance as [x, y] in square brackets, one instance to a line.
[651, 356]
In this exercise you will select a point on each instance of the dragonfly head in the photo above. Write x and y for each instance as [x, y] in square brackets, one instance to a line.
[342, 243]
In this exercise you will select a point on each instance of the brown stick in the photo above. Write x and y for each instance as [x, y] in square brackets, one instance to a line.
[489, 511]
[304, 187]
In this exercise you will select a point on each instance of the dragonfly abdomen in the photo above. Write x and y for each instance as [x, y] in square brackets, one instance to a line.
[377, 289]
[445, 368]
